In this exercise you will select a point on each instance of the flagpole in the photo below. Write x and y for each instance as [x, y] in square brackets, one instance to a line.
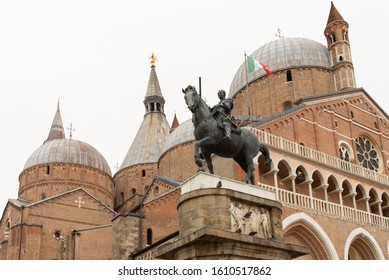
[247, 86]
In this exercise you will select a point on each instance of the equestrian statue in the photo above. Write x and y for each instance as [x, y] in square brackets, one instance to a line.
[216, 133]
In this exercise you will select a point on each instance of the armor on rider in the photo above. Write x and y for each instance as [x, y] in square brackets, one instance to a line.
[222, 113]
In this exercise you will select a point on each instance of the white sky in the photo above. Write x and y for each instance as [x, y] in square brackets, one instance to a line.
[93, 56]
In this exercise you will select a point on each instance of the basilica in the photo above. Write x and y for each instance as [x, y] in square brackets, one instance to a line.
[324, 196]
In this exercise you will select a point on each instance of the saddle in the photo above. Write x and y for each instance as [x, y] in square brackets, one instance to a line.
[234, 128]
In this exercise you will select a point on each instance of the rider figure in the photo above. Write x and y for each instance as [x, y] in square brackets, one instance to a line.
[222, 112]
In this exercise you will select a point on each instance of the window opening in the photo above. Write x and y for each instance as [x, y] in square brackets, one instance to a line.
[149, 236]
[288, 76]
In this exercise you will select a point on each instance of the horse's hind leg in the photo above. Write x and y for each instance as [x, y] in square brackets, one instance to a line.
[246, 163]
[250, 169]
[208, 160]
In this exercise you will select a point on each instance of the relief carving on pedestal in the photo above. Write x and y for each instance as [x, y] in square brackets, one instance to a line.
[251, 220]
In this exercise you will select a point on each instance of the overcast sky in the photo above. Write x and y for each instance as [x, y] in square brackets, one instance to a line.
[93, 56]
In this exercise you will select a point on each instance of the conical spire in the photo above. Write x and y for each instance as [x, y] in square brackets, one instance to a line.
[154, 101]
[175, 124]
[153, 88]
[334, 14]
[56, 131]
[149, 141]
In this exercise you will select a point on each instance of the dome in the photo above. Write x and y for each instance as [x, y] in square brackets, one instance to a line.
[282, 54]
[182, 134]
[68, 151]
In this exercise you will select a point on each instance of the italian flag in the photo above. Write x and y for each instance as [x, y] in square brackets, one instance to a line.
[255, 65]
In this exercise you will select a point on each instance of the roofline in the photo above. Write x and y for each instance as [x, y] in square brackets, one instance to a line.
[68, 192]
[164, 180]
[345, 91]
[91, 228]
[301, 103]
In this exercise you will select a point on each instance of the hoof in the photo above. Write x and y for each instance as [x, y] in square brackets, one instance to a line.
[198, 161]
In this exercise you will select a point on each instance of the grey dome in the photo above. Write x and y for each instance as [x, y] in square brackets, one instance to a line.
[283, 54]
[182, 134]
[68, 151]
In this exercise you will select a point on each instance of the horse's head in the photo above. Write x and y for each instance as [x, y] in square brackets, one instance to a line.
[191, 97]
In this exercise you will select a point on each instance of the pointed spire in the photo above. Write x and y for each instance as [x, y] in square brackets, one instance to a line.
[149, 141]
[175, 124]
[154, 101]
[153, 88]
[56, 131]
[334, 14]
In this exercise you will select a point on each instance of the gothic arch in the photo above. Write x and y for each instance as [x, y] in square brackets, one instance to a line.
[301, 173]
[385, 205]
[301, 229]
[347, 194]
[317, 185]
[361, 245]
[301, 180]
[360, 197]
[333, 189]
[284, 175]
[374, 201]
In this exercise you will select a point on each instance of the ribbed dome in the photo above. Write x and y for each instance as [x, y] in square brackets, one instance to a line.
[68, 151]
[283, 54]
[182, 134]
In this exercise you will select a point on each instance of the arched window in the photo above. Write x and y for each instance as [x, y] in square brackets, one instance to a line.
[149, 240]
[152, 108]
[333, 38]
[340, 58]
[158, 107]
[143, 173]
[48, 169]
[288, 76]
[345, 151]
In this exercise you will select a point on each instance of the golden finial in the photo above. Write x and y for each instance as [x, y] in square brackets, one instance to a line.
[153, 59]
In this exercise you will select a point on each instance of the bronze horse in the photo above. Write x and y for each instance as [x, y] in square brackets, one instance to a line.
[242, 148]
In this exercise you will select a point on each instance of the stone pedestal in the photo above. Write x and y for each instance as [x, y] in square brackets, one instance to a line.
[225, 219]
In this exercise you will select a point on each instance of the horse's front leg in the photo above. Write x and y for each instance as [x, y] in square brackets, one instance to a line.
[197, 146]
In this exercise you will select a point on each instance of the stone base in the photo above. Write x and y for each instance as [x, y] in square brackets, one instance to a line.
[214, 244]
[221, 218]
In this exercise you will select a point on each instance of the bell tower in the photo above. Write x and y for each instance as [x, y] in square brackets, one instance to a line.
[338, 44]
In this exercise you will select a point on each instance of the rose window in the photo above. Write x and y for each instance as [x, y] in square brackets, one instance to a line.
[367, 153]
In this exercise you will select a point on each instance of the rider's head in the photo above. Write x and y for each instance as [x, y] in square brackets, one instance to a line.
[222, 94]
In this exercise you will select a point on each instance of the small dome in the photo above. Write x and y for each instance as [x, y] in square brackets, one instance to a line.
[283, 54]
[182, 134]
[68, 151]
